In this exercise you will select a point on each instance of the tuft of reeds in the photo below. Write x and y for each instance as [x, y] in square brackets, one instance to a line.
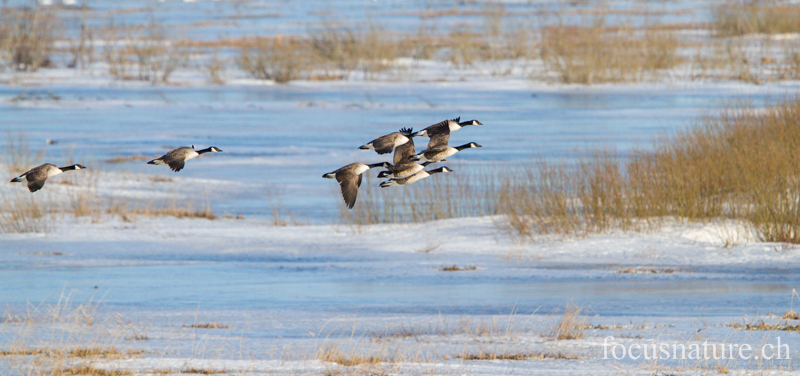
[129, 210]
[463, 193]
[594, 53]
[144, 54]
[456, 268]
[485, 355]
[741, 17]
[571, 325]
[279, 59]
[332, 353]
[27, 36]
[21, 212]
[761, 325]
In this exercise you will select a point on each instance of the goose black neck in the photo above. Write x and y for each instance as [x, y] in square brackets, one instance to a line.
[381, 164]
[462, 147]
[206, 150]
[67, 168]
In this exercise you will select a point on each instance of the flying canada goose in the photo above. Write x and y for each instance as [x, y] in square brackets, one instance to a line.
[37, 175]
[438, 149]
[175, 159]
[385, 144]
[403, 170]
[447, 126]
[349, 178]
[414, 178]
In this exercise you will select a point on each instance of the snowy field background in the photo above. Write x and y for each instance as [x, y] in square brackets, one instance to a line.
[304, 299]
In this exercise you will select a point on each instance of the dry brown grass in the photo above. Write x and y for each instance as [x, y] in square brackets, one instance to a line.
[27, 37]
[463, 193]
[743, 17]
[61, 339]
[332, 353]
[22, 212]
[596, 53]
[128, 210]
[761, 325]
[142, 53]
[710, 171]
[85, 370]
[485, 355]
[208, 325]
[456, 268]
[571, 325]
[648, 271]
[278, 59]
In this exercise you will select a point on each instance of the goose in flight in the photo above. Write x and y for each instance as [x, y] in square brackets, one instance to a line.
[447, 126]
[438, 149]
[385, 144]
[175, 159]
[414, 178]
[349, 178]
[37, 175]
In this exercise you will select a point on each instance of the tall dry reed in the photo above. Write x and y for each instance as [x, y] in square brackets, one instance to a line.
[593, 52]
[736, 18]
[27, 37]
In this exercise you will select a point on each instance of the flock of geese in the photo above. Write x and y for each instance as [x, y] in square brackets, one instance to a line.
[407, 165]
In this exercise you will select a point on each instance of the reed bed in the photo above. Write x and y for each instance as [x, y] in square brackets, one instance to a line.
[458, 194]
[27, 37]
[555, 45]
[742, 17]
[593, 52]
[737, 165]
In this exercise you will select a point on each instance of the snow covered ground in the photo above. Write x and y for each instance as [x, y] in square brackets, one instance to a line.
[286, 296]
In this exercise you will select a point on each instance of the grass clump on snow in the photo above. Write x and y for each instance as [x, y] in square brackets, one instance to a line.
[738, 18]
[595, 53]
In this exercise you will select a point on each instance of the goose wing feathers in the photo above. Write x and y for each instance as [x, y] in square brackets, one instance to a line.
[403, 152]
[442, 127]
[35, 185]
[176, 159]
[385, 144]
[349, 183]
[439, 140]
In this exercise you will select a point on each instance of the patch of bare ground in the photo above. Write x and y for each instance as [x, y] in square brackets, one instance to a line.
[640, 270]
[456, 268]
[208, 325]
[761, 325]
[485, 355]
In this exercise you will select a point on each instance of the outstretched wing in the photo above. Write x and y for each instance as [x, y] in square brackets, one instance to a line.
[403, 152]
[349, 185]
[384, 144]
[176, 165]
[439, 140]
[35, 185]
[439, 128]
